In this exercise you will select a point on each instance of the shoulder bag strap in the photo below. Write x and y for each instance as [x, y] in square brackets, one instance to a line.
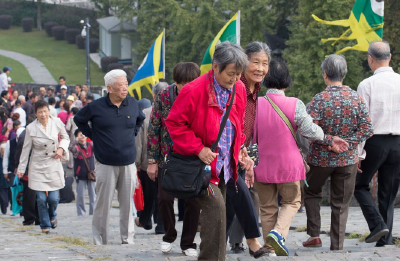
[172, 94]
[284, 118]
[83, 155]
[224, 120]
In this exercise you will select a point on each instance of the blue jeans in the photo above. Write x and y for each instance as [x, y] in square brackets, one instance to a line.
[47, 206]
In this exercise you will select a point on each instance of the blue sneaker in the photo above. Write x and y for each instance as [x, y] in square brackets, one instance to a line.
[277, 242]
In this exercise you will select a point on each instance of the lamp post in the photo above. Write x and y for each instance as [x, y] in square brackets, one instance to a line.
[86, 34]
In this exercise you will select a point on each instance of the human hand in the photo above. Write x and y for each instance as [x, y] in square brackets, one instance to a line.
[359, 170]
[19, 175]
[249, 178]
[339, 145]
[152, 171]
[59, 153]
[207, 156]
[245, 161]
[6, 177]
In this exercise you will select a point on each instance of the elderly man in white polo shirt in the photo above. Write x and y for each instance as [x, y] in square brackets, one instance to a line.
[381, 93]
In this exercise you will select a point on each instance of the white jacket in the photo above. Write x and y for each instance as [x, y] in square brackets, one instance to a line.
[45, 172]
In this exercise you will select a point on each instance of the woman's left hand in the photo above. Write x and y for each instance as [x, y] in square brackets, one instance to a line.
[59, 153]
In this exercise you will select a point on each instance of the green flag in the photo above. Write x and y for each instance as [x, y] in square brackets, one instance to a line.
[230, 32]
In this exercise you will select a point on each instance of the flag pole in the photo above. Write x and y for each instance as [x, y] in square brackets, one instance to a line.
[163, 46]
[238, 28]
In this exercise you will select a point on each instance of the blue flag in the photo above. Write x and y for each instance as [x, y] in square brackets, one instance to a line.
[152, 68]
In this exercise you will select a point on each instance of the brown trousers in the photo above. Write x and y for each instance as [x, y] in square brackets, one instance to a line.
[271, 217]
[213, 223]
[190, 218]
[342, 188]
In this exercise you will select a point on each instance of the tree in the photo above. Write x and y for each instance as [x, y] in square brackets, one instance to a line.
[391, 31]
[306, 52]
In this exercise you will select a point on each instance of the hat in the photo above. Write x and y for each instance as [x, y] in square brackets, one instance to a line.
[70, 98]
[5, 69]
[64, 87]
[144, 103]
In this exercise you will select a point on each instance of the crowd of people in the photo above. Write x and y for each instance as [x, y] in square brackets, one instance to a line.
[348, 136]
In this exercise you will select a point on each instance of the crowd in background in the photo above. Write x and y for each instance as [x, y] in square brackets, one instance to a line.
[347, 135]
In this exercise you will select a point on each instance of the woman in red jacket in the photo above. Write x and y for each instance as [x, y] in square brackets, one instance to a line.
[193, 124]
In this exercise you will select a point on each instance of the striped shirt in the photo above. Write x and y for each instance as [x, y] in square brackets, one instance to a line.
[224, 145]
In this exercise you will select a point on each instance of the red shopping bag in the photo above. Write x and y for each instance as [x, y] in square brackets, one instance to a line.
[138, 197]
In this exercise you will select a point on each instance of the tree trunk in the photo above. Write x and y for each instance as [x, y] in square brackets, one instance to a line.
[38, 16]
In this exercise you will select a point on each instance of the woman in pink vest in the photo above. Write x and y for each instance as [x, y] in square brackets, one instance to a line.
[281, 165]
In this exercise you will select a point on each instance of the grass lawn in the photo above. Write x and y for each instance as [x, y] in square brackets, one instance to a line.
[18, 73]
[59, 57]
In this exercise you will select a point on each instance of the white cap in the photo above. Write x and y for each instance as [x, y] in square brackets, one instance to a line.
[64, 87]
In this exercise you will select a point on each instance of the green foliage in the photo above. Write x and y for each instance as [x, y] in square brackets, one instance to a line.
[306, 52]
[391, 31]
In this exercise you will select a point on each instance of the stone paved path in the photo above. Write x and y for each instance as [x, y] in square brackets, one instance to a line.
[36, 68]
[71, 240]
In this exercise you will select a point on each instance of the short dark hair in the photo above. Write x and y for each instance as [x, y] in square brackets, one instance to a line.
[4, 93]
[185, 72]
[32, 96]
[73, 92]
[74, 110]
[78, 86]
[41, 104]
[17, 102]
[16, 123]
[52, 100]
[89, 96]
[278, 75]
[76, 132]
[62, 77]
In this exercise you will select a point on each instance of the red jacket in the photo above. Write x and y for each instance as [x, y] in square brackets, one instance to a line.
[195, 118]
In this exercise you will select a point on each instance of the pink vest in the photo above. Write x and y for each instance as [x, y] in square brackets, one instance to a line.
[280, 159]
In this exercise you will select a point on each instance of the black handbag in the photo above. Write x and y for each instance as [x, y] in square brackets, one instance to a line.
[186, 177]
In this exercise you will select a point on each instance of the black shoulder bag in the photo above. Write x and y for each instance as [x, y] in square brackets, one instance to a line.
[184, 176]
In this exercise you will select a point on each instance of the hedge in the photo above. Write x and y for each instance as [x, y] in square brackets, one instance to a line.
[27, 24]
[113, 66]
[68, 16]
[70, 35]
[48, 26]
[106, 60]
[93, 45]
[80, 41]
[5, 21]
[58, 32]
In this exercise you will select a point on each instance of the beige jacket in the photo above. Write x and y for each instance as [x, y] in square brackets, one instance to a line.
[45, 172]
[141, 142]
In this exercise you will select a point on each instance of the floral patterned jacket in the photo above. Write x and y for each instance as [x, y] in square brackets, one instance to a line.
[341, 112]
[158, 140]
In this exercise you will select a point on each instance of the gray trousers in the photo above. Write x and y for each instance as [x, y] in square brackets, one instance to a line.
[111, 178]
[80, 196]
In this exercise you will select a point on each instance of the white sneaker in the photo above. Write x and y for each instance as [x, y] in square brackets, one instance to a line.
[190, 252]
[166, 247]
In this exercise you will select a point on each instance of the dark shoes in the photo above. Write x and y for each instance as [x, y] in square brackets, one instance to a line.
[261, 252]
[238, 248]
[46, 231]
[376, 234]
[53, 223]
[316, 242]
